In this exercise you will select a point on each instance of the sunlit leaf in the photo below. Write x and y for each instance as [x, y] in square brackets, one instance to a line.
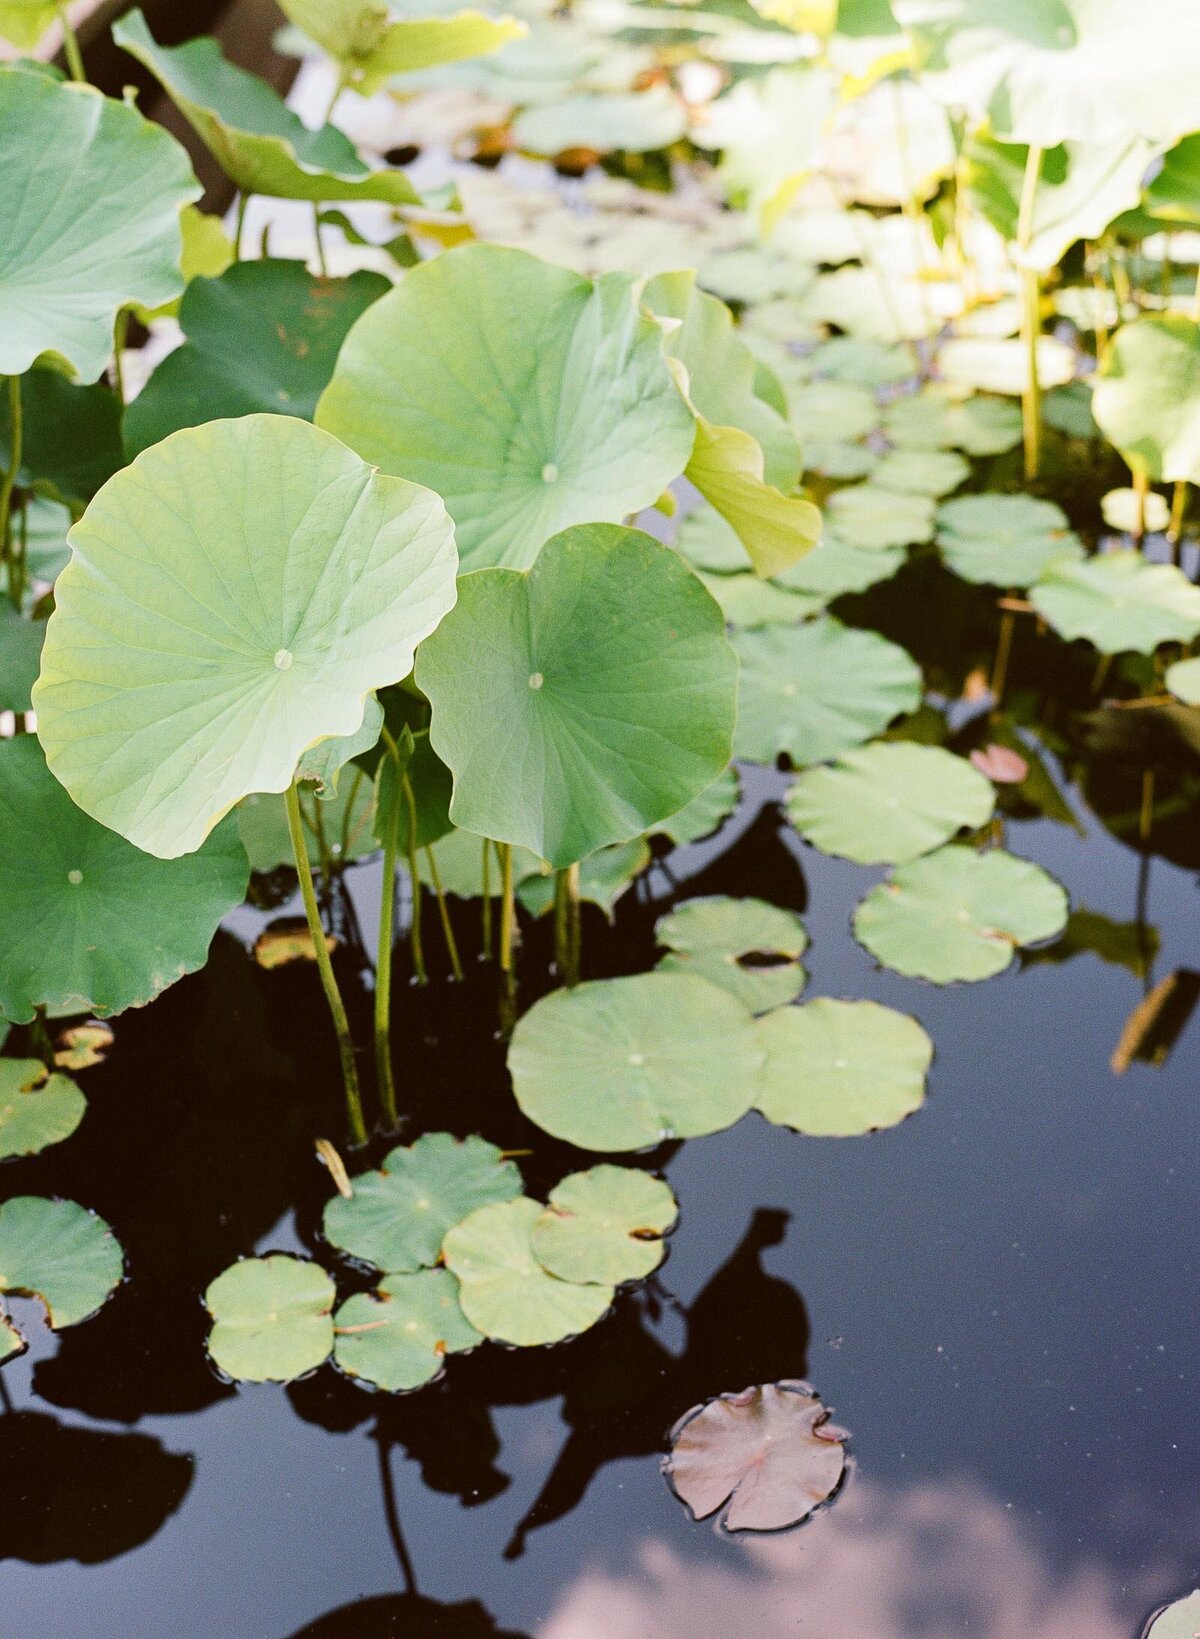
[37, 1108]
[371, 46]
[991, 365]
[58, 1252]
[25, 21]
[636, 122]
[1147, 400]
[935, 419]
[747, 946]
[1004, 540]
[1125, 510]
[398, 1338]
[271, 1318]
[1180, 1620]
[726, 466]
[1118, 601]
[836, 1069]
[605, 1225]
[871, 516]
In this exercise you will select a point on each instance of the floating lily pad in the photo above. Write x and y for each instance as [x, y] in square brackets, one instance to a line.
[936, 420]
[1147, 401]
[836, 1069]
[1183, 680]
[58, 1252]
[1004, 540]
[705, 813]
[922, 472]
[398, 1338]
[635, 122]
[1133, 514]
[747, 946]
[609, 663]
[526, 396]
[865, 363]
[749, 603]
[180, 673]
[767, 1452]
[834, 567]
[604, 1226]
[272, 1318]
[709, 543]
[504, 1291]
[834, 459]
[871, 516]
[91, 923]
[958, 915]
[1001, 364]
[889, 802]
[37, 1108]
[90, 194]
[815, 690]
[1180, 1620]
[832, 409]
[397, 1217]
[371, 47]
[621, 1064]
[1119, 601]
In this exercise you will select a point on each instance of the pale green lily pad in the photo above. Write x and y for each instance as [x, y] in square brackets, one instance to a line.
[504, 1291]
[272, 1319]
[37, 1109]
[935, 420]
[621, 1064]
[371, 46]
[58, 1252]
[922, 472]
[768, 130]
[399, 1337]
[528, 397]
[1119, 601]
[832, 410]
[872, 516]
[91, 923]
[835, 459]
[608, 662]
[756, 274]
[749, 603]
[958, 915]
[605, 1226]
[1183, 680]
[705, 813]
[818, 689]
[1125, 510]
[459, 857]
[90, 195]
[1180, 1620]
[837, 1069]
[398, 1216]
[256, 139]
[179, 673]
[709, 543]
[636, 122]
[834, 567]
[872, 305]
[1004, 540]
[1147, 401]
[720, 939]
[889, 802]
[861, 362]
[991, 365]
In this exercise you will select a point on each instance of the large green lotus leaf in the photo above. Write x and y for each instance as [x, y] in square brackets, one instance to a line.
[726, 466]
[397, 1217]
[398, 1338]
[958, 915]
[70, 436]
[504, 1291]
[90, 194]
[834, 567]
[1004, 540]
[260, 144]
[36, 1109]
[370, 46]
[233, 597]
[1147, 401]
[1180, 1620]
[816, 690]
[25, 21]
[935, 419]
[721, 938]
[635, 122]
[1051, 71]
[605, 1225]
[705, 813]
[622, 1064]
[836, 1069]
[272, 1318]
[20, 657]
[871, 516]
[581, 701]
[889, 802]
[265, 336]
[528, 397]
[922, 472]
[1119, 601]
[91, 923]
[58, 1252]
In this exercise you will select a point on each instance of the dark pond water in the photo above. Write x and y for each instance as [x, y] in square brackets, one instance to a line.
[999, 1298]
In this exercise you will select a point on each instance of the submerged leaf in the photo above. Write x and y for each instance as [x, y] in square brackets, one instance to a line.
[836, 1069]
[271, 1318]
[398, 1338]
[721, 938]
[605, 1226]
[37, 1109]
[58, 1252]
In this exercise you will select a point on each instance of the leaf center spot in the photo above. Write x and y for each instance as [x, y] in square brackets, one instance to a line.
[536, 680]
[637, 1058]
[74, 878]
[283, 659]
[549, 473]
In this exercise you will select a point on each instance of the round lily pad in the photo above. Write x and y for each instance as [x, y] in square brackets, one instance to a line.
[528, 397]
[398, 1216]
[36, 1109]
[90, 195]
[1004, 540]
[708, 542]
[605, 1226]
[852, 358]
[1147, 401]
[181, 672]
[635, 122]
[747, 946]
[834, 567]
[958, 915]
[58, 1252]
[832, 409]
[749, 603]
[1183, 680]
[504, 1291]
[622, 1064]
[937, 420]
[922, 472]
[869, 515]
[1119, 601]
[1001, 364]
[607, 665]
[271, 1318]
[1125, 510]
[889, 802]
[398, 1338]
[818, 689]
[91, 923]
[836, 1069]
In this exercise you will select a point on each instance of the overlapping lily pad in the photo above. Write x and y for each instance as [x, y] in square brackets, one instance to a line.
[747, 946]
[836, 1069]
[37, 1108]
[834, 567]
[272, 1319]
[1119, 601]
[398, 1338]
[1004, 540]
[935, 419]
[871, 516]
[704, 813]
[59, 1252]
[604, 1226]
[636, 122]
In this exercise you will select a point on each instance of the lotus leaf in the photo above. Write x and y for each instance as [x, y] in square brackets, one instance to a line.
[1004, 540]
[398, 1338]
[1118, 601]
[705, 813]
[936, 420]
[370, 46]
[834, 567]
[397, 1217]
[25, 21]
[835, 459]
[832, 410]
[958, 915]
[871, 516]
[836, 1069]
[603, 878]
[922, 472]
[58, 1252]
[71, 437]
[708, 542]
[635, 122]
[1133, 514]
[1147, 400]
[747, 946]
[1183, 680]
[90, 194]
[1001, 365]
[271, 1318]
[621, 1064]
[179, 672]
[748, 602]
[20, 657]
[1180, 1620]
[727, 468]
[321, 765]
[91, 923]
[604, 1226]
[263, 827]
[861, 362]
[769, 131]
[37, 1109]
[504, 1291]
[526, 396]
[879, 307]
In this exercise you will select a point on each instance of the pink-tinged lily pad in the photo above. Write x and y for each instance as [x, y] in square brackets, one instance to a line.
[770, 1452]
[1000, 765]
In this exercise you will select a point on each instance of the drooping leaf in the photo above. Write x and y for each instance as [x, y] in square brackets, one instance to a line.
[58, 1252]
[90, 194]
[1118, 601]
[181, 673]
[1004, 540]
[371, 46]
[776, 530]
[747, 946]
[1147, 401]
[398, 1338]
[272, 1318]
[621, 1064]
[605, 1226]
[37, 1108]
[836, 1069]
[956, 914]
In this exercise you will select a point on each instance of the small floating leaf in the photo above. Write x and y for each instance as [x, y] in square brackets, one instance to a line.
[271, 1318]
[1119, 601]
[58, 1252]
[836, 1069]
[922, 472]
[1133, 514]
[288, 941]
[935, 419]
[1004, 540]
[399, 1337]
[604, 1226]
[869, 515]
[636, 122]
[1000, 764]
[1183, 680]
[36, 1109]
[720, 938]
[83, 1045]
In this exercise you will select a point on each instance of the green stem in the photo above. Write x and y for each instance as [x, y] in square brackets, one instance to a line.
[508, 923]
[1008, 622]
[383, 971]
[321, 262]
[1141, 490]
[39, 1036]
[566, 924]
[71, 46]
[9, 481]
[487, 899]
[444, 913]
[120, 331]
[239, 225]
[1031, 315]
[418, 953]
[337, 1008]
[1179, 501]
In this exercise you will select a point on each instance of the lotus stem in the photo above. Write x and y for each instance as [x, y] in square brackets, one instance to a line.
[1179, 501]
[486, 874]
[1101, 672]
[239, 225]
[9, 481]
[321, 262]
[414, 930]
[1141, 489]
[120, 331]
[383, 970]
[508, 922]
[337, 1008]
[435, 876]
[566, 924]
[1031, 315]
[1146, 816]
[1004, 641]
[71, 46]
